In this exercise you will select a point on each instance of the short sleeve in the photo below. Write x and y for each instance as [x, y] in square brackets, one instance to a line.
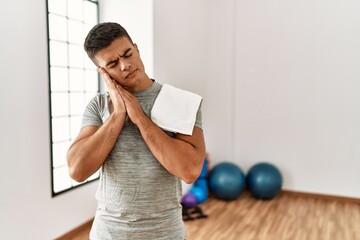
[198, 121]
[94, 111]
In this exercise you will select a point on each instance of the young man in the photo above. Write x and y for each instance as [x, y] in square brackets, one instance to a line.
[140, 164]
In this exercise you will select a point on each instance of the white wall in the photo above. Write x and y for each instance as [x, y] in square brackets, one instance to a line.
[280, 81]
[27, 210]
[187, 54]
[298, 91]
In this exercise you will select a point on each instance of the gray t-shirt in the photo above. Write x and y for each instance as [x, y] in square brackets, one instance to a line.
[137, 197]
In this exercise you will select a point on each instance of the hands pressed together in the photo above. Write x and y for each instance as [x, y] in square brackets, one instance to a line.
[123, 102]
[169, 151]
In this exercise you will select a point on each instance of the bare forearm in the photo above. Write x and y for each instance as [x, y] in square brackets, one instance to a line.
[180, 157]
[88, 152]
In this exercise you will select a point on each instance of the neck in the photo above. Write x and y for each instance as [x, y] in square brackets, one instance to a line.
[145, 83]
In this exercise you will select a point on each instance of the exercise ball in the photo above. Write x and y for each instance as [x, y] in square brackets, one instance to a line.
[202, 183]
[188, 200]
[264, 180]
[200, 194]
[204, 170]
[226, 181]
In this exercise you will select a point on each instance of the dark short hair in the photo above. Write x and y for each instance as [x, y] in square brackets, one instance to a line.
[102, 35]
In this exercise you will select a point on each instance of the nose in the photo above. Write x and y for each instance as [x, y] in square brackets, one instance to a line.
[124, 65]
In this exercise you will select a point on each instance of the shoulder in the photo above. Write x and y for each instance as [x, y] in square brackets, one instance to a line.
[156, 86]
[98, 104]
[100, 99]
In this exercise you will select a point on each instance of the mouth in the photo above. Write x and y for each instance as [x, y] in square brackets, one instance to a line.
[131, 74]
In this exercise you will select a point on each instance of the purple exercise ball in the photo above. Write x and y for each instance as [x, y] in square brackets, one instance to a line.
[189, 200]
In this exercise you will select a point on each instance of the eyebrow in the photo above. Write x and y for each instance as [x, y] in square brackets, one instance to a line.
[125, 52]
[115, 60]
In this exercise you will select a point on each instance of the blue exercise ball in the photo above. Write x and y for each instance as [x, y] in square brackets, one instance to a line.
[200, 194]
[264, 180]
[204, 170]
[202, 183]
[226, 181]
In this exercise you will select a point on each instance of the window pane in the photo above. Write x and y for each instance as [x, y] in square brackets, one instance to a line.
[75, 9]
[75, 126]
[60, 129]
[59, 79]
[59, 153]
[57, 6]
[62, 179]
[60, 32]
[90, 12]
[59, 104]
[77, 103]
[75, 183]
[91, 81]
[76, 34]
[95, 175]
[76, 56]
[58, 54]
[76, 79]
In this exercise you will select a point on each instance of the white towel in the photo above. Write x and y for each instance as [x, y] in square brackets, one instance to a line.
[175, 109]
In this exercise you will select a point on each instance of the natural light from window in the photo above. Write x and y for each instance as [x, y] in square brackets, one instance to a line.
[73, 80]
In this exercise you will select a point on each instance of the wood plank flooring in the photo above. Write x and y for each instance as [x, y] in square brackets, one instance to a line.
[288, 216]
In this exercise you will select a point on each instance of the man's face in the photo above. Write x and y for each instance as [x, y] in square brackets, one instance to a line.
[121, 60]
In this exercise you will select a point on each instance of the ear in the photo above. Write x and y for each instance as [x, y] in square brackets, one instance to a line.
[136, 47]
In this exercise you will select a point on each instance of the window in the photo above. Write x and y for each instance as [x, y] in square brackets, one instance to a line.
[73, 80]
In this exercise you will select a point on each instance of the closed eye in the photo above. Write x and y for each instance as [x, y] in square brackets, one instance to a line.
[112, 64]
[127, 53]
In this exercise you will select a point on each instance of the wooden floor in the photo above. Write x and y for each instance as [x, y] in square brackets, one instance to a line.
[288, 216]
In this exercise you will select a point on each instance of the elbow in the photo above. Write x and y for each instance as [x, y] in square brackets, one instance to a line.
[194, 170]
[75, 171]
[76, 175]
[193, 174]
[190, 179]
[196, 167]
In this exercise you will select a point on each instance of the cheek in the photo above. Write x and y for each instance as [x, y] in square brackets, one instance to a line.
[139, 64]
[115, 74]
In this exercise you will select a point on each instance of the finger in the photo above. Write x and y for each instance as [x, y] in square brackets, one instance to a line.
[124, 93]
[103, 74]
[108, 80]
[121, 90]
